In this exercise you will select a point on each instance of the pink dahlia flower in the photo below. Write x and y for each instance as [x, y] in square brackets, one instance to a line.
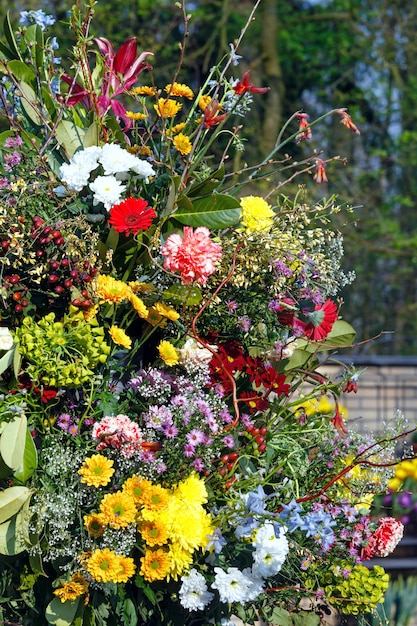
[194, 255]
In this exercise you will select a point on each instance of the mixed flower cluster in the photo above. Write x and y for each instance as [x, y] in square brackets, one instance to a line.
[172, 448]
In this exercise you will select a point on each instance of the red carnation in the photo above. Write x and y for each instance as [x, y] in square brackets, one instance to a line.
[321, 321]
[131, 216]
[385, 539]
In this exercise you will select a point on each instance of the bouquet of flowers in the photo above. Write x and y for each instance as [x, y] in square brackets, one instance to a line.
[172, 450]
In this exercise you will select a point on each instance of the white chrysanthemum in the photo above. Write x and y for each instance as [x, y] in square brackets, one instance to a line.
[194, 353]
[6, 338]
[270, 551]
[194, 594]
[233, 585]
[108, 190]
[257, 584]
[116, 160]
[143, 169]
[77, 172]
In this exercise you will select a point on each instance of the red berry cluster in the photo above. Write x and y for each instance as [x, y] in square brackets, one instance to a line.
[61, 274]
[258, 433]
[227, 468]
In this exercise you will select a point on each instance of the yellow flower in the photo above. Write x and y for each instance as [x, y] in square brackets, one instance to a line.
[179, 89]
[192, 490]
[154, 533]
[143, 91]
[175, 129]
[155, 318]
[96, 471]
[257, 214]
[167, 311]
[75, 587]
[155, 500]
[136, 116]
[139, 306]
[168, 353]
[119, 336]
[126, 569]
[167, 108]
[118, 509]
[155, 565]
[94, 524]
[182, 143]
[203, 102]
[189, 526]
[90, 313]
[111, 290]
[103, 565]
[180, 560]
[139, 287]
[137, 487]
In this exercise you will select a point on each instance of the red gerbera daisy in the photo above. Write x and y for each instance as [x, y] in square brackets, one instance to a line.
[321, 321]
[131, 216]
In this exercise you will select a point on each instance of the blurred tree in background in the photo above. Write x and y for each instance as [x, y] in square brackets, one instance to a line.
[315, 56]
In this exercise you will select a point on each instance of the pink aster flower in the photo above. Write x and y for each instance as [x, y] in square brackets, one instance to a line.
[194, 255]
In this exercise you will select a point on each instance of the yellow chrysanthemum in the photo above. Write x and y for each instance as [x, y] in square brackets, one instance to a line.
[139, 117]
[155, 565]
[168, 353]
[257, 214]
[175, 129]
[137, 487]
[139, 306]
[182, 143]
[167, 311]
[155, 500]
[119, 336]
[96, 471]
[143, 91]
[77, 586]
[118, 509]
[139, 287]
[189, 526]
[192, 490]
[94, 524]
[111, 290]
[167, 108]
[154, 318]
[203, 102]
[180, 90]
[154, 533]
[126, 569]
[103, 565]
[180, 559]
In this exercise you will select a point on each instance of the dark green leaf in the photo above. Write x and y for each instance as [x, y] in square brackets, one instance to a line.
[305, 618]
[9, 34]
[182, 294]
[214, 212]
[30, 460]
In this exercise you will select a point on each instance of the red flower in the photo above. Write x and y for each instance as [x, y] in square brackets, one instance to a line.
[320, 173]
[254, 401]
[244, 86]
[304, 127]
[347, 121]
[211, 114]
[266, 375]
[385, 538]
[338, 422]
[46, 394]
[321, 321]
[131, 216]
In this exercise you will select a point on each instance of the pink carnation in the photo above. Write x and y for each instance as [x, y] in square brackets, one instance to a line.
[194, 255]
[119, 432]
[385, 538]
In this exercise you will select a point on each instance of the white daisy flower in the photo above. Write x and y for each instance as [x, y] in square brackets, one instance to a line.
[108, 190]
[193, 593]
[117, 160]
[233, 585]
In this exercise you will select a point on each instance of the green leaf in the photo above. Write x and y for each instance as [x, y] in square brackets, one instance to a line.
[298, 359]
[34, 37]
[21, 71]
[12, 500]
[9, 34]
[5, 470]
[70, 136]
[28, 101]
[305, 618]
[342, 335]
[29, 461]
[61, 613]
[182, 294]
[280, 617]
[91, 136]
[12, 442]
[203, 189]
[6, 360]
[17, 359]
[214, 212]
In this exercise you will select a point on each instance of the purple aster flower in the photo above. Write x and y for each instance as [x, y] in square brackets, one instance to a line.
[198, 464]
[64, 421]
[161, 467]
[244, 323]
[170, 431]
[13, 142]
[232, 305]
[11, 160]
[73, 429]
[195, 437]
[4, 183]
[189, 450]
[228, 441]
[226, 417]
[180, 400]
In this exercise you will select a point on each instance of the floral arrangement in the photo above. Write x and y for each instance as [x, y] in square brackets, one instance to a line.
[172, 449]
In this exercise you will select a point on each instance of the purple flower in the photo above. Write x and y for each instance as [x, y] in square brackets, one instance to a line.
[64, 421]
[232, 305]
[170, 431]
[73, 429]
[244, 323]
[198, 464]
[195, 437]
[189, 450]
[228, 441]
[10, 160]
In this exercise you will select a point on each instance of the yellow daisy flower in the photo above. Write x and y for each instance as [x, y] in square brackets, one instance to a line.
[179, 89]
[96, 471]
[75, 587]
[166, 310]
[111, 290]
[137, 116]
[257, 214]
[143, 91]
[126, 569]
[167, 108]
[139, 306]
[154, 533]
[118, 509]
[119, 336]
[155, 500]
[94, 524]
[155, 318]
[155, 565]
[182, 143]
[168, 353]
[203, 102]
[175, 129]
[103, 565]
[137, 487]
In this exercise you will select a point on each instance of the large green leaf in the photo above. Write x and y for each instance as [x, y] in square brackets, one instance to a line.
[91, 137]
[12, 500]
[13, 440]
[21, 71]
[28, 101]
[8, 31]
[342, 335]
[70, 136]
[6, 360]
[182, 295]
[30, 460]
[61, 613]
[216, 211]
